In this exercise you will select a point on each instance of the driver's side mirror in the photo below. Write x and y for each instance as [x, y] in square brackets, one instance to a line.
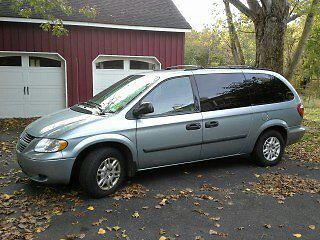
[144, 108]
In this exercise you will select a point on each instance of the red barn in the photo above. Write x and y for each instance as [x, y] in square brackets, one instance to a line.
[41, 73]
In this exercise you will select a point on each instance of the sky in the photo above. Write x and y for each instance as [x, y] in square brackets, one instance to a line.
[200, 12]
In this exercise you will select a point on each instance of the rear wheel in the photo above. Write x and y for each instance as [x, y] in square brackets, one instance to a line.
[269, 148]
[102, 172]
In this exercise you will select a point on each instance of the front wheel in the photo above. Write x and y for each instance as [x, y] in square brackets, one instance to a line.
[269, 148]
[102, 172]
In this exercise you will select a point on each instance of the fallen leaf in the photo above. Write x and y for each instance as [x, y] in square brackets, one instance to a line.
[162, 238]
[116, 228]
[101, 231]
[297, 235]
[135, 215]
[312, 227]
[267, 226]
[90, 208]
[213, 232]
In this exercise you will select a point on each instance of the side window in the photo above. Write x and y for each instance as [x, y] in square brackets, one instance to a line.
[266, 89]
[113, 64]
[171, 97]
[10, 61]
[222, 91]
[43, 62]
[140, 65]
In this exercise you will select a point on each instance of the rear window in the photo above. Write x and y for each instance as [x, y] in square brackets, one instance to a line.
[267, 89]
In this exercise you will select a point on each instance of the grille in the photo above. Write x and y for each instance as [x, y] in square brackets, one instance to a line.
[24, 141]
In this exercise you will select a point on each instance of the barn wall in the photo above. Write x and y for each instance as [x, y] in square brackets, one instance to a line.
[83, 44]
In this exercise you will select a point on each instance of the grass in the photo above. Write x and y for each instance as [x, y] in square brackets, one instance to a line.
[308, 149]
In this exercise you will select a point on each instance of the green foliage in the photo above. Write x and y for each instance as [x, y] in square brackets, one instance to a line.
[48, 10]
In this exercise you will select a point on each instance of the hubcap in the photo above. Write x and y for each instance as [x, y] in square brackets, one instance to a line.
[271, 148]
[108, 173]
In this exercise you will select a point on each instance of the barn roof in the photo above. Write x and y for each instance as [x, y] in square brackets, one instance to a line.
[142, 13]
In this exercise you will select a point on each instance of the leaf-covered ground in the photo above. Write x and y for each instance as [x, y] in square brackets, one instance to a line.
[308, 150]
[221, 199]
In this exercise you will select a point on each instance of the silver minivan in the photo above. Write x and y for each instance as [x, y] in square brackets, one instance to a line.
[163, 118]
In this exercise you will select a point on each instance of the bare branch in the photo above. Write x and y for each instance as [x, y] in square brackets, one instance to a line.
[243, 8]
[295, 16]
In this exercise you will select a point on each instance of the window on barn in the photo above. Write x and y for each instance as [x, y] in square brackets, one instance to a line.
[114, 64]
[43, 62]
[10, 61]
[140, 65]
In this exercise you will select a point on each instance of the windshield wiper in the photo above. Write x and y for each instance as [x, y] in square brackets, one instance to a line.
[95, 105]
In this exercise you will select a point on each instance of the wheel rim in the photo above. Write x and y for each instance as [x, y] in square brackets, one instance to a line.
[108, 173]
[271, 148]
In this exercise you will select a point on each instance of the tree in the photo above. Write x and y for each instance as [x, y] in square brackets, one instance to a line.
[49, 10]
[270, 19]
[236, 48]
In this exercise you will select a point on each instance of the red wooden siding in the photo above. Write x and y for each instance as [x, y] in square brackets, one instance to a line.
[84, 44]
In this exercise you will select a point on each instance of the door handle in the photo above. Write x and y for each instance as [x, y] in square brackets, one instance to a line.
[193, 126]
[24, 90]
[212, 124]
[28, 90]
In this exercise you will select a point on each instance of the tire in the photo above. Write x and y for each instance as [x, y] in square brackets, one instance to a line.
[273, 154]
[103, 159]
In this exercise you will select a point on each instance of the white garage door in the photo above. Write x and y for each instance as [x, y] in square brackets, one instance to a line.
[108, 70]
[31, 85]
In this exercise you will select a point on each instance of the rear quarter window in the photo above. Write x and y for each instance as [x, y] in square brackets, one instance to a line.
[267, 89]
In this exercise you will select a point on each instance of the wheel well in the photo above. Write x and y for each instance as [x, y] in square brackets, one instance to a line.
[121, 147]
[279, 129]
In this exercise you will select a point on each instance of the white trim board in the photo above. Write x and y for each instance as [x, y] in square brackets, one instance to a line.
[99, 25]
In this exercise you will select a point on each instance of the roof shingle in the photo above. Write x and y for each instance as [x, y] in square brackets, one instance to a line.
[146, 13]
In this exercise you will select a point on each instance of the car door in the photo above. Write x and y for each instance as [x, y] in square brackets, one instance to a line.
[172, 134]
[227, 115]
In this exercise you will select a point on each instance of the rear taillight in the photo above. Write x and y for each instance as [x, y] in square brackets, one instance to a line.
[300, 109]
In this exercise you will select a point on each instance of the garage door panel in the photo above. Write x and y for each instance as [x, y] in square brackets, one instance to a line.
[45, 89]
[106, 72]
[47, 94]
[11, 77]
[11, 94]
[42, 78]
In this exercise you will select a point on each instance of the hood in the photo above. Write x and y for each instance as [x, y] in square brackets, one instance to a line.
[56, 124]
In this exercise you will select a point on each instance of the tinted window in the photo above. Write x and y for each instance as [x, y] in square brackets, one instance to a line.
[222, 91]
[267, 89]
[10, 61]
[139, 65]
[43, 62]
[172, 97]
[115, 64]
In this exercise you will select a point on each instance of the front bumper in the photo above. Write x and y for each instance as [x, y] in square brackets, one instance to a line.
[295, 134]
[53, 171]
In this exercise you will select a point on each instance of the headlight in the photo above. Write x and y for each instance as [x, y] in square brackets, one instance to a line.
[50, 145]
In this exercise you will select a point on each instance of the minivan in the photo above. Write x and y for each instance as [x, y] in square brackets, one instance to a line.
[163, 118]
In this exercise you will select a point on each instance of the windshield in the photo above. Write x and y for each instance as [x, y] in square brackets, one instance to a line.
[120, 94]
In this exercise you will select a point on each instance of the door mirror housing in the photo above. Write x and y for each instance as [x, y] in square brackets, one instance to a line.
[144, 108]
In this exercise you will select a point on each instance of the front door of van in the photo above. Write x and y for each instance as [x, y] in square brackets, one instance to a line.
[227, 113]
[173, 132]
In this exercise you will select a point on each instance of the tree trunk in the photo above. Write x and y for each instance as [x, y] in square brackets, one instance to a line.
[236, 48]
[302, 42]
[270, 34]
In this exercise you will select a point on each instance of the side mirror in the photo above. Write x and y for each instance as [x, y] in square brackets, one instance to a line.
[144, 108]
